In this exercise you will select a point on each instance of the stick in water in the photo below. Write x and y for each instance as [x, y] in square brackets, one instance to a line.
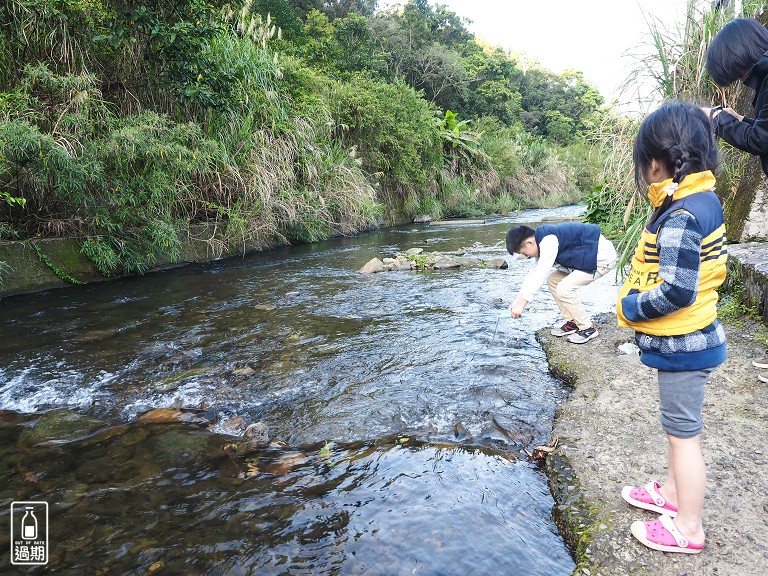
[501, 315]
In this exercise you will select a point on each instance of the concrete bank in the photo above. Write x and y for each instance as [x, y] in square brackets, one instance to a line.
[748, 274]
[42, 264]
[609, 436]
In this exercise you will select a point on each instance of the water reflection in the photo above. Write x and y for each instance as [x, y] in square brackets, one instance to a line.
[136, 499]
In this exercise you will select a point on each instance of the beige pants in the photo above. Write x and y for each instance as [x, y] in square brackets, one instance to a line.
[563, 287]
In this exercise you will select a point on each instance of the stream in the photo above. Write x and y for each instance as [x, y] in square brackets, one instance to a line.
[401, 411]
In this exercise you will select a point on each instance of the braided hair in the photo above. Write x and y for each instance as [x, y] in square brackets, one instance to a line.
[679, 136]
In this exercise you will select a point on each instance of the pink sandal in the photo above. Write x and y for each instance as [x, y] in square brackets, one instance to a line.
[648, 498]
[662, 534]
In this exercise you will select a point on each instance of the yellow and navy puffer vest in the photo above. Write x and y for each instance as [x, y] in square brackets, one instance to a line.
[695, 195]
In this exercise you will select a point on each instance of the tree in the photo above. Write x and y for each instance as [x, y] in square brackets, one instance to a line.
[334, 8]
[450, 29]
[558, 106]
[392, 129]
[282, 14]
[492, 90]
[319, 36]
[355, 46]
[440, 74]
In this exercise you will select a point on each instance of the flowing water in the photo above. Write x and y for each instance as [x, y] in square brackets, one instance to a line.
[400, 422]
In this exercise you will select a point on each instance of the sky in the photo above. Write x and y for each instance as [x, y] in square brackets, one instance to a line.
[594, 36]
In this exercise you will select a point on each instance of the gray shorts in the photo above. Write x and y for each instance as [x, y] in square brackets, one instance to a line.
[681, 397]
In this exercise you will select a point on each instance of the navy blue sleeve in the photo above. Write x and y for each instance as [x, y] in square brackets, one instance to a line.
[679, 242]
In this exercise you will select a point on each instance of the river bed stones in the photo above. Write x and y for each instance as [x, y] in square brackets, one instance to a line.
[372, 267]
[60, 425]
[168, 415]
[418, 259]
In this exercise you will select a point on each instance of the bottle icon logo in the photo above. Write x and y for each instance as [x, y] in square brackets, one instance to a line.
[29, 533]
[29, 524]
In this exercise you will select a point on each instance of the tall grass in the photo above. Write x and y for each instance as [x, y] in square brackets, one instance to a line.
[525, 170]
[39, 31]
[280, 176]
[128, 185]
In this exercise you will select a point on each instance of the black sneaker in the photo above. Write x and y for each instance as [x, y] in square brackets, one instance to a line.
[582, 336]
[569, 327]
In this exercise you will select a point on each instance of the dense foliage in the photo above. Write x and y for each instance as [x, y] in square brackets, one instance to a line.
[123, 122]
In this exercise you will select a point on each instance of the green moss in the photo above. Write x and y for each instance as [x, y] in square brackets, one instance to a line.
[423, 261]
[61, 274]
[575, 517]
[737, 209]
[737, 306]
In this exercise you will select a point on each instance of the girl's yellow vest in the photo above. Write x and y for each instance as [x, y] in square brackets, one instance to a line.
[695, 195]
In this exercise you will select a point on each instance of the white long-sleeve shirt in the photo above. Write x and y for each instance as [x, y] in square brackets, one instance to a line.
[548, 248]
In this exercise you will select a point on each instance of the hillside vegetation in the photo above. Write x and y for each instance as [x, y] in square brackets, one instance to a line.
[123, 122]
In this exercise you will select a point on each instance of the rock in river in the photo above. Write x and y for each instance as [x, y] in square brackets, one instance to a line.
[168, 415]
[373, 266]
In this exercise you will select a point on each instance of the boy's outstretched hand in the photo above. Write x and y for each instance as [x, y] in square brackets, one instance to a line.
[517, 307]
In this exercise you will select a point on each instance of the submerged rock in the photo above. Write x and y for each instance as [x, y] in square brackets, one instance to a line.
[244, 371]
[233, 426]
[254, 438]
[168, 415]
[60, 425]
[257, 434]
[286, 463]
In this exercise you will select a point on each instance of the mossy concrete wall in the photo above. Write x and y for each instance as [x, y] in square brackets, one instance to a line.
[23, 271]
[748, 192]
[748, 275]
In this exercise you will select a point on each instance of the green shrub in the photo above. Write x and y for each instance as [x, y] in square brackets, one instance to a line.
[392, 129]
[150, 165]
[496, 142]
[460, 199]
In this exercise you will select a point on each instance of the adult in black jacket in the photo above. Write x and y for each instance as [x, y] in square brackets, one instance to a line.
[740, 52]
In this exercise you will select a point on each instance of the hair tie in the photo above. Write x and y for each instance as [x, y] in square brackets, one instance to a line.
[671, 188]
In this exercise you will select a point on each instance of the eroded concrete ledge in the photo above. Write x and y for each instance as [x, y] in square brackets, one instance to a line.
[748, 274]
[610, 436]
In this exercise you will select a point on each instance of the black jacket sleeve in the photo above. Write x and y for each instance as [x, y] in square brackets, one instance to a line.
[750, 134]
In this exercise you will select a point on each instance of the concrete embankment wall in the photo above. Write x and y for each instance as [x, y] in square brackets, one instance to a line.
[25, 270]
[748, 274]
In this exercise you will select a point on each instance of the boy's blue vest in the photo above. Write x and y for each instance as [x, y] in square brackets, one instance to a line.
[578, 244]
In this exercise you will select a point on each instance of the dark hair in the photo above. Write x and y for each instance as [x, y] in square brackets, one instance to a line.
[735, 49]
[680, 136]
[516, 236]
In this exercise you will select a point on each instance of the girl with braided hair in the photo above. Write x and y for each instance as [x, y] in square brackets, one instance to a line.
[669, 298]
